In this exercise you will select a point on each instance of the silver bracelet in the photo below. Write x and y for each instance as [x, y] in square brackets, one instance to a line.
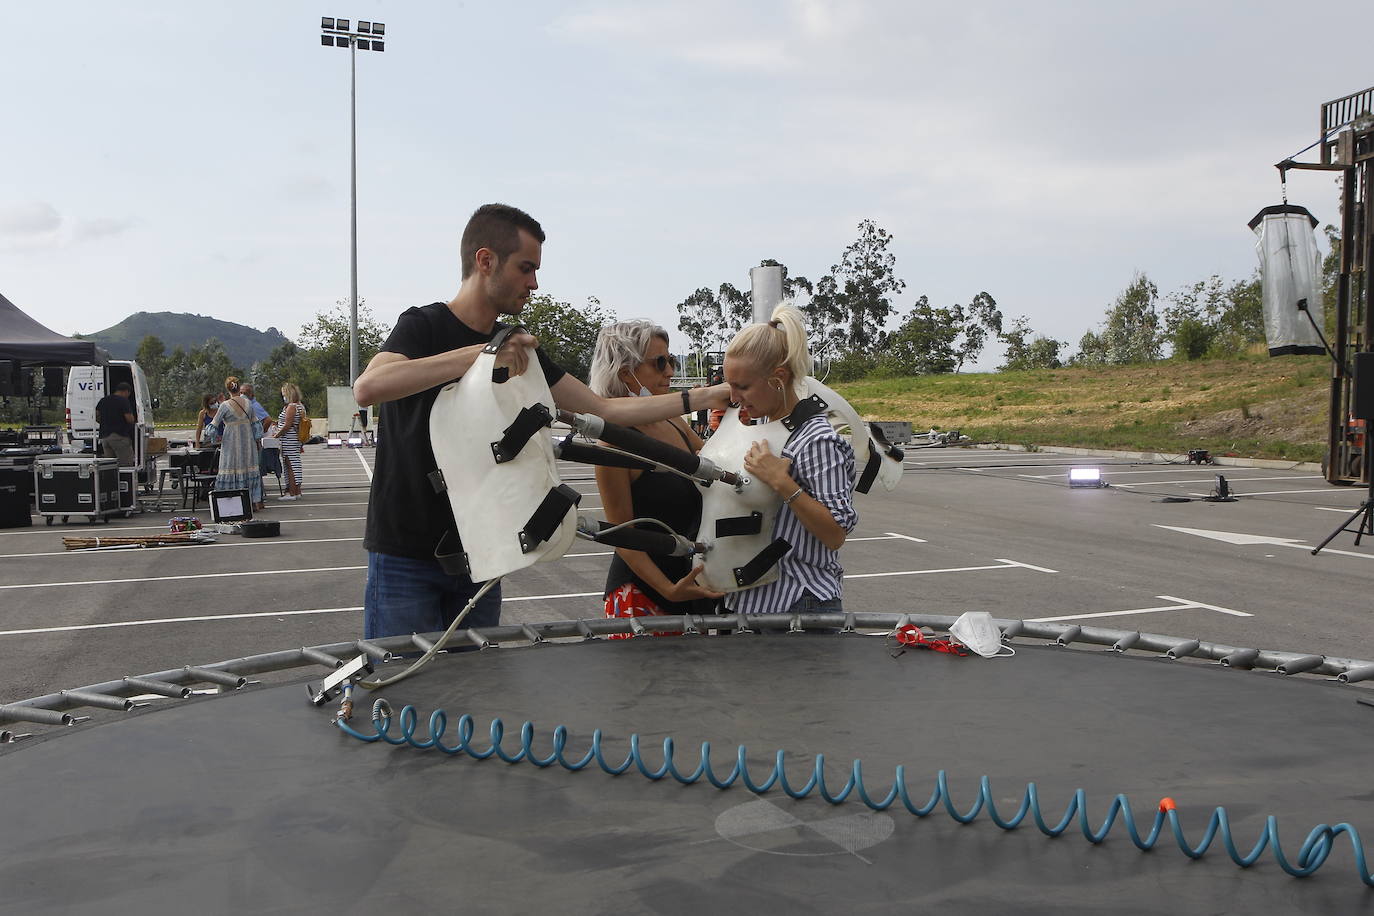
[795, 493]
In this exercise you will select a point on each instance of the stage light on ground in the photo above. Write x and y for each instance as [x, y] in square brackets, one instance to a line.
[355, 441]
[333, 442]
[1086, 477]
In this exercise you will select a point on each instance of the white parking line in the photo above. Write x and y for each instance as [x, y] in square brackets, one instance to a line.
[240, 572]
[1002, 564]
[110, 553]
[165, 620]
[1183, 604]
[363, 462]
[121, 531]
[1272, 492]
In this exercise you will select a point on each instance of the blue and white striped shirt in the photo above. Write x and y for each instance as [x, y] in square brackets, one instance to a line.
[823, 466]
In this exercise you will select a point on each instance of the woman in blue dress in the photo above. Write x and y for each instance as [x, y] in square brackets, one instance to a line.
[238, 451]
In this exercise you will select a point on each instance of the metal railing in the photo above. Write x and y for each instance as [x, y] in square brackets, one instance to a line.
[55, 709]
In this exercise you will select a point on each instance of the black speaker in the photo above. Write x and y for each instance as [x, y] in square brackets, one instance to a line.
[53, 382]
[1363, 401]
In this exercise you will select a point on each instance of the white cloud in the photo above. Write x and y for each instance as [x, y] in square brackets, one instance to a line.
[29, 220]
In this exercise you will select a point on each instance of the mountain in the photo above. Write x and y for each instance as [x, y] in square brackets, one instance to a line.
[244, 345]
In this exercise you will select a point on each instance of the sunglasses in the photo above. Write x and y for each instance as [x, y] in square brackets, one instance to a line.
[661, 363]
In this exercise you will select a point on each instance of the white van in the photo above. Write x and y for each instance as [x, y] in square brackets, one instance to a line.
[86, 385]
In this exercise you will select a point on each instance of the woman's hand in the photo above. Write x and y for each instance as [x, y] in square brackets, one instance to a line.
[686, 588]
[776, 472]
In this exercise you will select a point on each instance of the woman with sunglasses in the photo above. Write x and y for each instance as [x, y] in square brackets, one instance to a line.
[632, 360]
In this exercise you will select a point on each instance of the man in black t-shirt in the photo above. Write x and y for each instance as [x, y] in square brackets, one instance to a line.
[115, 425]
[431, 346]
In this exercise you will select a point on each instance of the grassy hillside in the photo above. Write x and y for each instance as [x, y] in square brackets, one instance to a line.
[244, 345]
[1256, 407]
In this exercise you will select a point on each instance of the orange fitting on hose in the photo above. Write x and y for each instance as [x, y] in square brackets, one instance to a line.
[1167, 804]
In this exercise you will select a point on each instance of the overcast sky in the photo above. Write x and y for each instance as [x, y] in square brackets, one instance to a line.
[174, 156]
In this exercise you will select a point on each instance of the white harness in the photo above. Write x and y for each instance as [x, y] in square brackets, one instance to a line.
[737, 524]
[496, 465]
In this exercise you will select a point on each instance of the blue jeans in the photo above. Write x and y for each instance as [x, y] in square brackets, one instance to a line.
[406, 595]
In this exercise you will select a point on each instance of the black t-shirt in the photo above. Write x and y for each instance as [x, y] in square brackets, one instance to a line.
[110, 412]
[405, 517]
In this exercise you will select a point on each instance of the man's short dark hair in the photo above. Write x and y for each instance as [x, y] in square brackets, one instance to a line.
[123, 386]
[497, 227]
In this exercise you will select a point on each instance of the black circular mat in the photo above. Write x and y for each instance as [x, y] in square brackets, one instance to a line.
[254, 802]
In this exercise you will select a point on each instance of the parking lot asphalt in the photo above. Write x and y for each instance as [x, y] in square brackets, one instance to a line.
[965, 530]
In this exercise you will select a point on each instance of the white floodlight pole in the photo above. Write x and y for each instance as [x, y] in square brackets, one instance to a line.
[372, 37]
[353, 212]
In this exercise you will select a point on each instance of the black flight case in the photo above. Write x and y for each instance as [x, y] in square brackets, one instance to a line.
[68, 485]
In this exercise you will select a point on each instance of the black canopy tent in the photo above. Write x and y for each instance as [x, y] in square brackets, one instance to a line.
[25, 342]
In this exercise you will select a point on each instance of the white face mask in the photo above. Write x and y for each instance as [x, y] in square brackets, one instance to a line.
[976, 630]
[643, 392]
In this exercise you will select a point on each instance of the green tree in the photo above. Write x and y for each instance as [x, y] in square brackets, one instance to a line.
[924, 343]
[1027, 350]
[152, 356]
[567, 333]
[825, 321]
[981, 318]
[326, 339]
[865, 281]
[1131, 331]
[289, 363]
[1092, 350]
[699, 320]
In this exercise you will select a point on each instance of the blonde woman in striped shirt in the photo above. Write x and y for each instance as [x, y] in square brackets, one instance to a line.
[765, 366]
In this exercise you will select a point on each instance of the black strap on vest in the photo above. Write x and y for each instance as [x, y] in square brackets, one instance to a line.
[500, 374]
[870, 472]
[739, 524]
[892, 451]
[806, 409]
[763, 561]
[875, 457]
[453, 559]
[529, 421]
[546, 519]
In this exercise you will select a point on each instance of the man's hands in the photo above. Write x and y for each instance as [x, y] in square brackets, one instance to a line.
[769, 468]
[514, 354]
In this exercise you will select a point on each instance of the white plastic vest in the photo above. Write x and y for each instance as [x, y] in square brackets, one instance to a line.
[493, 500]
[725, 510]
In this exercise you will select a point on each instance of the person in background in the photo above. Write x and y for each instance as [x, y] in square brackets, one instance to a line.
[209, 406]
[238, 452]
[631, 359]
[765, 366]
[287, 431]
[269, 459]
[259, 412]
[115, 425]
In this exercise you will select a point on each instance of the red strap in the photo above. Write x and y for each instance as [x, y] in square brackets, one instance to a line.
[910, 635]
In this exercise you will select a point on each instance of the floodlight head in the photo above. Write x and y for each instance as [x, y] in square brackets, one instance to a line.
[1085, 477]
[364, 26]
[341, 42]
[378, 45]
[326, 22]
[378, 28]
[327, 40]
[364, 44]
[342, 24]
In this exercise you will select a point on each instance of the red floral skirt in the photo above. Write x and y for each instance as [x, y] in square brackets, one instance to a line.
[629, 601]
